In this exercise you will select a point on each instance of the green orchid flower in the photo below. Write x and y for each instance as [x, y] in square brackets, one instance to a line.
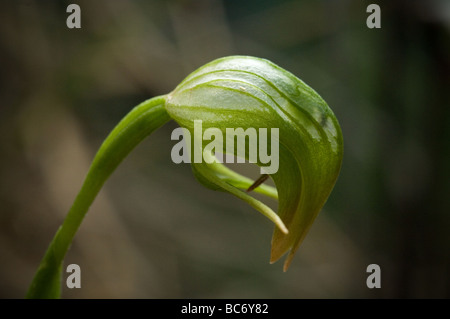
[242, 92]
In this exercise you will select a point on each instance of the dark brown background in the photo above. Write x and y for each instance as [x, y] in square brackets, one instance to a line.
[154, 232]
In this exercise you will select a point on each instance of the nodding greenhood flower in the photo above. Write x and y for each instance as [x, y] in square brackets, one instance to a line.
[231, 92]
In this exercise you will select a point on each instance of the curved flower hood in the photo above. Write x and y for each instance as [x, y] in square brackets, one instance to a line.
[232, 92]
[248, 92]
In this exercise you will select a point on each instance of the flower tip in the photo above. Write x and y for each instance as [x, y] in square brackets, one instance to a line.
[274, 256]
[287, 263]
[281, 226]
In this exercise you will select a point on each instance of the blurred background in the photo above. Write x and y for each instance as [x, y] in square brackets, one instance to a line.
[154, 232]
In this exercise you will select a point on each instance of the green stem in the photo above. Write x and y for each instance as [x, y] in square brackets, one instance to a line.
[138, 124]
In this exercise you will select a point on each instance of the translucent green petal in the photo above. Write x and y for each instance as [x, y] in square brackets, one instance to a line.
[203, 171]
[237, 180]
[249, 92]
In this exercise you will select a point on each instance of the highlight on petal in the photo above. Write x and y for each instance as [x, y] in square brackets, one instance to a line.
[247, 92]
